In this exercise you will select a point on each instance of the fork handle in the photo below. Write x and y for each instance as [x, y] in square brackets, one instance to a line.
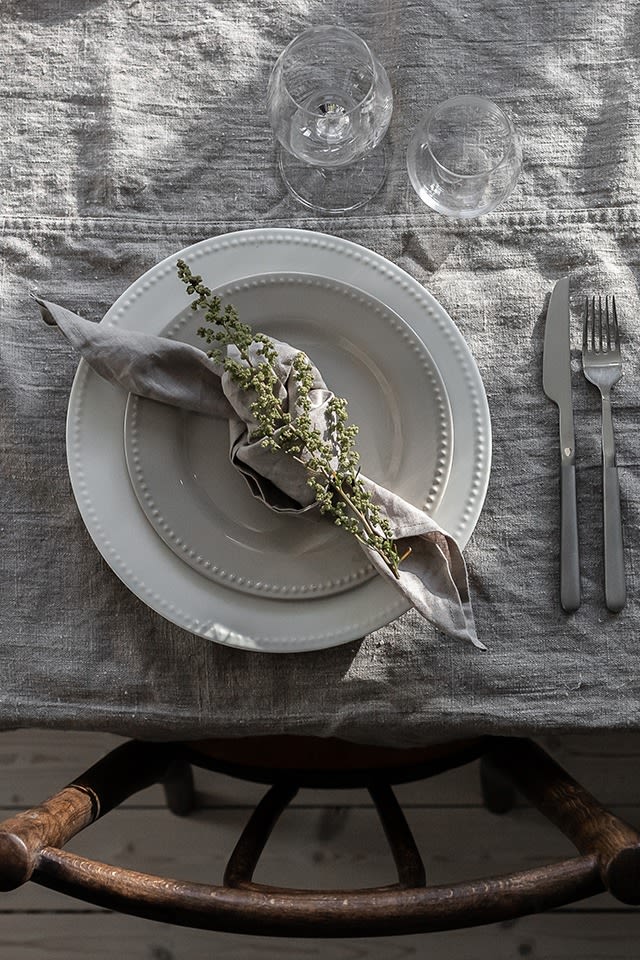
[615, 591]
[569, 556]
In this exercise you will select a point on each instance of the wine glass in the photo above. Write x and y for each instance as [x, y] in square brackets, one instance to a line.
[329, 103]
[464, 157]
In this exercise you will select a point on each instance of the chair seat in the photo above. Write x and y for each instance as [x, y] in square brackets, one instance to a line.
[327, 762]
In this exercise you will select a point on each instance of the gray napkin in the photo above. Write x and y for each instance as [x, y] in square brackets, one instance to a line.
[433, 578]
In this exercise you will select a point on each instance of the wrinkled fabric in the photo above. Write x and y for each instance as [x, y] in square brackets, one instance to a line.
[131, 130]
[433, 577]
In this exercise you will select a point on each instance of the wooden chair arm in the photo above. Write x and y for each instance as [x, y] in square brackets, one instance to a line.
[590, 827]
[123, 772]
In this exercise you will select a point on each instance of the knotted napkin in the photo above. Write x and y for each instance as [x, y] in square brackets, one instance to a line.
[433, 577]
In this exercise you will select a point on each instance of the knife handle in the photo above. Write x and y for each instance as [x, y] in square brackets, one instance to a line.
[614, 585]
[569, 555]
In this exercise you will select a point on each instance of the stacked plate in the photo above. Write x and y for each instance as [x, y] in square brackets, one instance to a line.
[180, 527]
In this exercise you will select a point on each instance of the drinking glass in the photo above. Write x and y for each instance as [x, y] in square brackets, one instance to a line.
[329, 103]
[464, 157]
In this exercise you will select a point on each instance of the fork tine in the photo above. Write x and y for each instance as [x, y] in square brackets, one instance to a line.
[600, 333]
[600, 323]
[614, 325]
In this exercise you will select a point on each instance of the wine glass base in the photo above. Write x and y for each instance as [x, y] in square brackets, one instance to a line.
[335, 190]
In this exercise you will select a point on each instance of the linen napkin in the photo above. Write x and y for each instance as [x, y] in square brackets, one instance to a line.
[433, 577]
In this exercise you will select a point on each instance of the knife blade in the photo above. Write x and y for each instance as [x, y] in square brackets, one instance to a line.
[556, 381]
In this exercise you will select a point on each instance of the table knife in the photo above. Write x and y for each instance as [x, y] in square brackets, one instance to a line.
[556, 380]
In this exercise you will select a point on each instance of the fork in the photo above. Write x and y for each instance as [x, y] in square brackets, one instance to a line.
[602, 365]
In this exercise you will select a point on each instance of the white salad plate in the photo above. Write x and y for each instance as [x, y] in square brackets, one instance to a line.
[108, 504]
[203, 510]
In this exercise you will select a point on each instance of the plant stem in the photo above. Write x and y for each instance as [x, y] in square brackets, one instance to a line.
[335, 442]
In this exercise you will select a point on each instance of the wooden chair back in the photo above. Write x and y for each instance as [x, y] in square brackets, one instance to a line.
[608, 850]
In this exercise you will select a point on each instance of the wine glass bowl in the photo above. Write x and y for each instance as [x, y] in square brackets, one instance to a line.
[464, 157]
[329, 103]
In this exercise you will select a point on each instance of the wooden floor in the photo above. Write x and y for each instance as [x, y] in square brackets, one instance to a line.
[324, 840]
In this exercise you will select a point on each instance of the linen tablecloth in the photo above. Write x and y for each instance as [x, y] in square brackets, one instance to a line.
[132, 129]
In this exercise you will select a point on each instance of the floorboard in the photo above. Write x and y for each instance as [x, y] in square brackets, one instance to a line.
[557, 936]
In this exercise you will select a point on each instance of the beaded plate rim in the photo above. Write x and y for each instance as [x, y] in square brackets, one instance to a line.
[339, 619]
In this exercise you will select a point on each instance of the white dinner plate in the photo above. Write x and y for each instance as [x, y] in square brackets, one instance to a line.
[204, 511]
[107, 501]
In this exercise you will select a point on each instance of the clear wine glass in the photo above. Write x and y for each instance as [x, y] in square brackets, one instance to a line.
[329, 103]
[464, 157]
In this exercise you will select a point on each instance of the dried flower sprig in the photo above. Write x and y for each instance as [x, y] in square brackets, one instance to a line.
[329, 457]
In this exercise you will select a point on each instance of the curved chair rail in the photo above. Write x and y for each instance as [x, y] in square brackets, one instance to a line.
[269, 911]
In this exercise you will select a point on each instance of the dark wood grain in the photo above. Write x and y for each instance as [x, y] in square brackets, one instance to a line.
[124, 771]
[253, 838]
[30, 844]
[271, 911]
[590, 827]
[411, 871]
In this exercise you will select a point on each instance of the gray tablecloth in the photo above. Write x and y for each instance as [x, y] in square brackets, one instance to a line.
[131, 129]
